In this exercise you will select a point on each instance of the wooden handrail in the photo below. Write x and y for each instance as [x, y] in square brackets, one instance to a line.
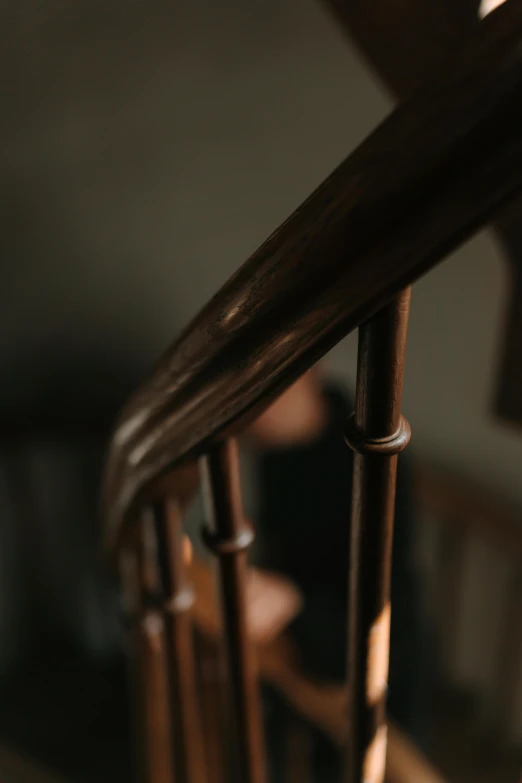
[405, 42]
[438, 168]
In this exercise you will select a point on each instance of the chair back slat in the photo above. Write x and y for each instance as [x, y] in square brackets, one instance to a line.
[377, 433]
[228, 535]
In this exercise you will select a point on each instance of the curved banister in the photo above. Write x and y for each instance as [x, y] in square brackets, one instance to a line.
[429, 176]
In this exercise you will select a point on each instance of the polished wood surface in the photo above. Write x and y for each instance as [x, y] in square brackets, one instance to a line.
[437, 169]
[377, 432]
[148, 657]
[214, 703]
[228, 535]
[176, 601]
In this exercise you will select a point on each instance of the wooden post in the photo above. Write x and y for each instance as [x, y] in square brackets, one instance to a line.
[148, 657]
[177, 599]
[229, 535]
[376, 432]
[214, 707]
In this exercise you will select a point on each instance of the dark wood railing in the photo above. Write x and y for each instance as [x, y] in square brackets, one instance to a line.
[436, 170]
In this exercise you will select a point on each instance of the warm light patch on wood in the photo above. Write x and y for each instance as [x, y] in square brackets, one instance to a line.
[375, 758]
[378, 657]
[487, 6]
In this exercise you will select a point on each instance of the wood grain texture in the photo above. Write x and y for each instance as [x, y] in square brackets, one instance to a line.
[228, 535]
[214, 707]
[377, 433]
[430, 175]
[177, 600]
[149, 669]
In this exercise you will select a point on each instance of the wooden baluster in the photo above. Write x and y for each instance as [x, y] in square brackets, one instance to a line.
[214, 708]
[299, 744]
[229, 535]
[178, 599]
[377, 433]
[153, 724]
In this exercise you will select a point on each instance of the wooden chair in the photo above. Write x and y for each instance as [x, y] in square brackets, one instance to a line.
[446, 161]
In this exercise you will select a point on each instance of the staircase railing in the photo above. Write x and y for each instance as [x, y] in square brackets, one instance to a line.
[434, 172]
